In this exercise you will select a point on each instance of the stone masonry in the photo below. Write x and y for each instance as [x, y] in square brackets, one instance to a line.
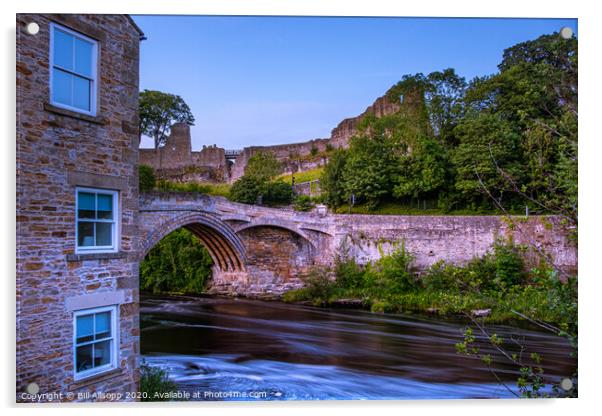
[263, 252]
[176, 160]
[57, 150]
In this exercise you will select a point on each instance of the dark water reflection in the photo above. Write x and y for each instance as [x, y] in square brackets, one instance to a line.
[270, 350]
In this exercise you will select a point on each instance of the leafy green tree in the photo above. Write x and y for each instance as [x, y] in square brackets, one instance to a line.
[444, 96]
[178, 263]
[158, 112]
[263, 166]
[277, 192]
[424, 171]
[487, 144]
[369, 168]
[247, 189]
[332, 180]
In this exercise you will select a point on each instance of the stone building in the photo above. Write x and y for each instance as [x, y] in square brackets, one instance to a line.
[176, 160]
[77, 205]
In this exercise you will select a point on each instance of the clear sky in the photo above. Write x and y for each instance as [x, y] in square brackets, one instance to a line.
[270, 80]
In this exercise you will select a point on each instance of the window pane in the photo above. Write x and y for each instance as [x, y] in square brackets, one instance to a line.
[63, 49]
[102, 353]
[104, 234]
[84, 328]
[85, 205]
[83, 358]
[103, 325]
[83, 57]
[61, 87]
[105, 207]
[85, 234]
[81, 93]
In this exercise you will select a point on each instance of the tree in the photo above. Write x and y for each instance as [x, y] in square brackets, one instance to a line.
[368, 172]
[424, 172]
[487, 144]
[178, 263]
[158, 112]
[247, 189]
[332, 180]
[263, 166]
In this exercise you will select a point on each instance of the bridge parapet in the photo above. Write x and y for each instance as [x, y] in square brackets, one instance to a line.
[276, 246]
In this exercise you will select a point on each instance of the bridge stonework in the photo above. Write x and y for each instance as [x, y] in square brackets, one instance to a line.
[263, 252]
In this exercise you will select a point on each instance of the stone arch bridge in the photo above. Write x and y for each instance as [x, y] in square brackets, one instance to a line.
[261, 252]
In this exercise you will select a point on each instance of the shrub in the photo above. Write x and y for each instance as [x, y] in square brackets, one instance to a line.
[246, 190]
[349, 274]
[393, 272]
[277, 192]
[155, 380]
[302, 203]
[318, 285]
[509, 265]
[146, 178]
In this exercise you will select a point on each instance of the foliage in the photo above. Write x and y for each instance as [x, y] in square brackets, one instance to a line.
[146, 178]
[155, 384]
[318, 286]
[302, 203]
[277, 192]
[331, 180]
[263, 166]
[499, 142]
[496, 281]
[247, 189]
[158, 111]
[178, 263]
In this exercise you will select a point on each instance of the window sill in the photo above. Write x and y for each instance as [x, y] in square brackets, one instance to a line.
[96, 256]
[95, 378]
[74, 114]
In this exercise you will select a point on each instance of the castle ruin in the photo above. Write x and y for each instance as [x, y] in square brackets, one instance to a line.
[177, 161]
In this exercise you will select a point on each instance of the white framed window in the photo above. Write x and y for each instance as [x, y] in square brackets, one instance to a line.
[73, 70]
[96, 217]
[95, 341]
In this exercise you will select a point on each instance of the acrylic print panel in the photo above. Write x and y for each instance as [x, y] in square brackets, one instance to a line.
[229, 208]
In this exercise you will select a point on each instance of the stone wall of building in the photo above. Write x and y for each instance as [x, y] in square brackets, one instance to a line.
[58, 150]
[176, 160]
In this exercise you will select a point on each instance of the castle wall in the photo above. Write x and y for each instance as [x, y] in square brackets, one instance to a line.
[176, 160]
[339, 137]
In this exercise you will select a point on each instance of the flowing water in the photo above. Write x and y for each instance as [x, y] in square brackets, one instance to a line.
[229, 349]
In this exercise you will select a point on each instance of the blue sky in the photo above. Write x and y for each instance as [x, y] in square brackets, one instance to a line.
[269, 80]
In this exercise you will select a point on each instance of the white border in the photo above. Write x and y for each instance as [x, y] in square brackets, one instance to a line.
[590, 170]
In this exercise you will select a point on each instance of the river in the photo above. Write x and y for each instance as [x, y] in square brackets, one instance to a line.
[233, 349]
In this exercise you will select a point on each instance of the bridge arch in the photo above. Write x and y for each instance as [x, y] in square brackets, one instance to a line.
[224, 246]
[278, 223]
